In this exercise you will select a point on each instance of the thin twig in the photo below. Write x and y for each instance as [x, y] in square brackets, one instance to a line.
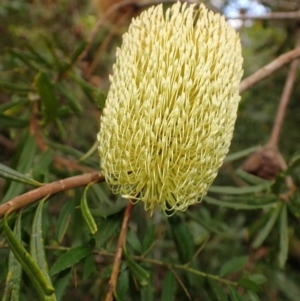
[269, 69]
[118, 255]
[285, 97]
[170, 266]
[49, 189]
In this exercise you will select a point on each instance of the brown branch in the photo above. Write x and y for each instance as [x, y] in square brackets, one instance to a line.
[271, 16]
[49, 189]
[269, 69]
[111, 11]
[118, 255]
[287, 91]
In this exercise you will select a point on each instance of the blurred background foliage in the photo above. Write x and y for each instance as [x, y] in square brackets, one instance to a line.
[241, 243]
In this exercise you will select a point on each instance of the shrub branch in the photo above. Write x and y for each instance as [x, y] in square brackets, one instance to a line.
[49, 189]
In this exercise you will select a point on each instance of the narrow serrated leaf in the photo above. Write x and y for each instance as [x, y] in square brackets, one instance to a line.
[216, 290]
[237, 206]
[13, 175]
[133, 241]
[284, 237]
[86, 213]
[24, 165]
[240, 154]
[72, 99]
[89, 266]
[47, 95]
[168, 287]
[108, 228]
[14, 274]
[234, 296]
[258, 278]
[139, 273]
[265, 231]
[64, 220]
[183, 238]
[148, 239]
[12, 122]
[37, 249]
[147, 292]
[233, 265]
[36, 275]
[249, 178]
[61, 283]
[239, 190]
[122, 286]
[249, 284]
[69, 259]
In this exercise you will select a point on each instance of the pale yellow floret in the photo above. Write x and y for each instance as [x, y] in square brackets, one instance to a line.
[171, 108]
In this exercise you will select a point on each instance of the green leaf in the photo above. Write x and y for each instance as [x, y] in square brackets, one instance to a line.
[64, 220]
[42, 164]
[168, 287]
[105, 210]
[147, 292]
[24, 165]
[78, 50]
[37, 249]
[100, 98]
[11, 174]
[37, 246]
[72, 99]
[251, 179]
[265, 231]
[90, 152]
[13, 87]
[25, 57]
[233, 265]
[61, 283]
[183, 238]
[284, 237]
[47, 95]
[89, 266]
[148, 239]
[12, 122]
[36, 275]
[257, 278]
[14, 104]
[253, 296]
[69, 259]
[108, 228]
[122, 286]
[249, 284]
[14, 275]
[240, 154]
[286, 284]
[139, 273]
[233, 205]
[234, 296]
[239, 190]
[133, 241]
[216, 291]
[86, 213]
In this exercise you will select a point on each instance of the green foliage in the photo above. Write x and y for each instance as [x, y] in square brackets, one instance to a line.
[241, 243]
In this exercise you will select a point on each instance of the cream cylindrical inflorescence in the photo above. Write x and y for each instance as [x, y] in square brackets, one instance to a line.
[172, 105]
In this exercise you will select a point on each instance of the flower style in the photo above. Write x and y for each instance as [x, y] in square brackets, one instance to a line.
[171, 108]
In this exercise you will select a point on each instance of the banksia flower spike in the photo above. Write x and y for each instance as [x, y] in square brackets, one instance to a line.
[171, 108]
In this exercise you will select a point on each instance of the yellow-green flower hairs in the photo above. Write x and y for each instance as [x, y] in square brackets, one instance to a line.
[171, 108]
